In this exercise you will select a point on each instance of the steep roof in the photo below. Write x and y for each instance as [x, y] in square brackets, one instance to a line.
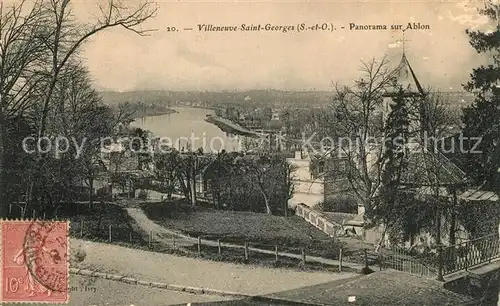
[406, 78]
[427, 167]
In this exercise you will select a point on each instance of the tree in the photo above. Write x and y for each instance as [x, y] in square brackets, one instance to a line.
[217, 173]
[38, 41]
[78, 113]
[250, 182]
[389, 207]
[270, 176]
[257, 169]
[355, 110]
[167, 168]
[482, 118]
[21, 55]
[482, 121]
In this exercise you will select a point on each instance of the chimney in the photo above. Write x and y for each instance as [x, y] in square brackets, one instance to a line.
[298, 154]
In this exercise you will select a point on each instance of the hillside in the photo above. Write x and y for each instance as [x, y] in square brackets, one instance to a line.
[255, 98]
[252, 97]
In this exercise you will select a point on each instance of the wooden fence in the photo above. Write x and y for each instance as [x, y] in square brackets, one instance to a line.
[198, 246]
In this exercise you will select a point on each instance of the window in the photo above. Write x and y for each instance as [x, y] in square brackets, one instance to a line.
[321, 167]
[317, 168]
[342, 166]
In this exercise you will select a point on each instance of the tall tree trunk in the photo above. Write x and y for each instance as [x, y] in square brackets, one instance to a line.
[268, 208]
[382, 238]
[193, 186]
[170, 188]
[91, 191]
[438, 225]
[453, 219]
[266, 198]
[214, 190]
[184, 188]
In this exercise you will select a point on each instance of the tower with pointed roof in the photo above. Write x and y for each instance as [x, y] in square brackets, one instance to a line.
[406, 82]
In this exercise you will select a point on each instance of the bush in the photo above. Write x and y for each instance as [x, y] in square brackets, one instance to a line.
[143, 195]
[343, 203]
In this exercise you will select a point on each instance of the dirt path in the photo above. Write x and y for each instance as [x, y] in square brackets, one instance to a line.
[160, 233]
[195, 272]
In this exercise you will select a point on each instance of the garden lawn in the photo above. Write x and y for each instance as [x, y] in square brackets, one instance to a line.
[291, 234]
[232, 225]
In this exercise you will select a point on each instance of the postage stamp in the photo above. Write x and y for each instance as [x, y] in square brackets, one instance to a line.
[34, 261]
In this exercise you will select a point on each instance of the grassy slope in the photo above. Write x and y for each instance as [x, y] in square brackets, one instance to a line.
[122, 226]
[259, 230]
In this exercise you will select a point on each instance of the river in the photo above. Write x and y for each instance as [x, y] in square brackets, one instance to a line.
[188, 128]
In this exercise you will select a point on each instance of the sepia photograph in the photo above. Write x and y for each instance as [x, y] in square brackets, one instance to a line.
[167, 152]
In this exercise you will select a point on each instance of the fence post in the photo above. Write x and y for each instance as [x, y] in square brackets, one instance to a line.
[44, 216]
[246, 250]
[33, 214]
[340, 260]
[218, 247]
[489, 247]
[276, 253]
[130, 237]
[303, 256]
[173, 242]
[110, 233]
[10, 209]
[81, 228]
[199, 246]
[466, 256]
[440, 263]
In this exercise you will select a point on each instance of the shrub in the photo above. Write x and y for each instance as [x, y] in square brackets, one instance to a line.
[143, 195]
[342, 203]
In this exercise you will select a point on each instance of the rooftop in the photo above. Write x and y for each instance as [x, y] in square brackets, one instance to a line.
[428, 168]
[387, 287]
[405, 77]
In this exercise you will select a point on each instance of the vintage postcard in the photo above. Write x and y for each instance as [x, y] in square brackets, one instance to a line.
[250, 152]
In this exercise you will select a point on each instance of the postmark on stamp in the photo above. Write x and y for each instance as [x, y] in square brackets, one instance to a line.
[34, 261]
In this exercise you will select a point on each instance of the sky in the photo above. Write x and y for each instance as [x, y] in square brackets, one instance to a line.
[193, 60]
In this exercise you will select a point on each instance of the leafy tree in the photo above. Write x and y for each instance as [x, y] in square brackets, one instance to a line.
[167, 167]
[389, 207]
[39, 40]
[482, 118]
[259, 183]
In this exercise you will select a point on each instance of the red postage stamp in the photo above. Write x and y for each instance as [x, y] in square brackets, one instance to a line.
[34, 261]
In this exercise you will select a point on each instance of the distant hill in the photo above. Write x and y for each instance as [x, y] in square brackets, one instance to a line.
[251, 97]
[270, 97]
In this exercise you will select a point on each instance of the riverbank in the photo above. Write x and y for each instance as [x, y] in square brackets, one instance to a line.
[153, 113]
[229, 126]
